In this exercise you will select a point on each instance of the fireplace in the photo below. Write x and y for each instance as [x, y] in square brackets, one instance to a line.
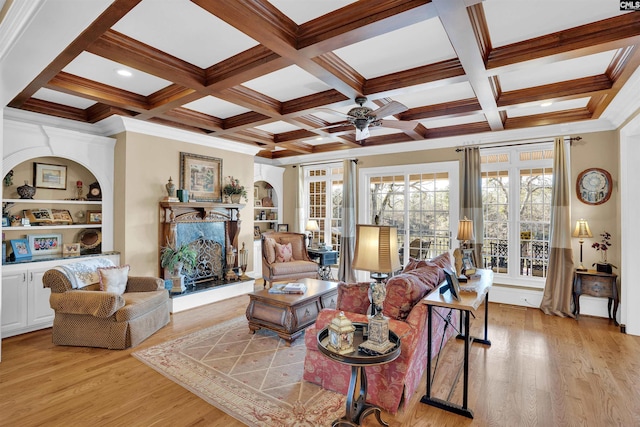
[211, 229]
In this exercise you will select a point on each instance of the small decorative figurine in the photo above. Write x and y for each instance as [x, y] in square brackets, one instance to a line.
[341, 332]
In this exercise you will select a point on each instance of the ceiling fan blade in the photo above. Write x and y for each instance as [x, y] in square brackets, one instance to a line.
[362, 134]
[399, 124]
[390, 109]
[334, 112]
[335, 125]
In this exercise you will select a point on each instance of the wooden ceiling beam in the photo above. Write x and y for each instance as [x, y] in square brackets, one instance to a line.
[575, 115]
[89, 89]
[608, 34]
[116, 11]
[459, 108]
[53, 109]
[132, 53]
[577, 88]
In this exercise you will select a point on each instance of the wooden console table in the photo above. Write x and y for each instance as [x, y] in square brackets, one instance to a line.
[596, 284]
[468, 304]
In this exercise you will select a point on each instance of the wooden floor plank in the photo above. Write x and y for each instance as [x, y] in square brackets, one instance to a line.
[540, 371]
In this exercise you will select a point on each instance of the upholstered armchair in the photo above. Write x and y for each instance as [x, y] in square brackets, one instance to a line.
[97, 304]
[285, 258]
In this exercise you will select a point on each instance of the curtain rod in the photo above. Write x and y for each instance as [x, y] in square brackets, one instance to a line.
[325, 163]
[571, 139]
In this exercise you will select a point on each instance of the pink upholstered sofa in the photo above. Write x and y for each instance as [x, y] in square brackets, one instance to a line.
[391, 384]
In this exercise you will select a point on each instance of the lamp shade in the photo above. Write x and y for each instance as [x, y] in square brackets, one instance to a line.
[582, 229]
[312, 225]
[465, 229]
[376, 249]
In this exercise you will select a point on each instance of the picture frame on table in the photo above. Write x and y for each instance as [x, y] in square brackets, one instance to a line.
[283, 227]
[453, 285]
[45, 244]
[201, 176]
[94, 217]
[21, 249]
[258, 203]
[468, 261]
[50, 176]
[256, 232]
[71, 249]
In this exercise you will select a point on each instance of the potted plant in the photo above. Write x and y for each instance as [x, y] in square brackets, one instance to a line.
[603, 246]
[177, 261]
[234, 190]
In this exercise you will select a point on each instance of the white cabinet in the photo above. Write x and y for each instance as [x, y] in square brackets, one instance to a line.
[257, 258]
[25, 300]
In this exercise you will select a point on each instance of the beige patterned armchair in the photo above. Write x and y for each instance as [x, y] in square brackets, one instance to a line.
[113, 318]
[285, 258]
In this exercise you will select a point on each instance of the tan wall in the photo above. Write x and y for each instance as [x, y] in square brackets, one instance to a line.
[143, 166]
[597, 150]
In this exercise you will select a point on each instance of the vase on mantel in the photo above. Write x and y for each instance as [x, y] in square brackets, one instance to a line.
[235, 198]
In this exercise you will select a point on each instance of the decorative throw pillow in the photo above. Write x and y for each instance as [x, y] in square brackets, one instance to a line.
[283, 252]
[353, 297]
[114, 279]
[270, 249]
[403, 292]
[297, 246]
[413, 264]
[443, 260]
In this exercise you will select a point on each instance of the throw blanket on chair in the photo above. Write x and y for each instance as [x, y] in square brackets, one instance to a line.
[84, 273]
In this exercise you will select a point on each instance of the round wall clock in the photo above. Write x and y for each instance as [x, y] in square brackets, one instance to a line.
[593, 186]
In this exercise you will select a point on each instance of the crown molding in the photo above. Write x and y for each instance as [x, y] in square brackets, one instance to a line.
[19, 15]
[115, 124]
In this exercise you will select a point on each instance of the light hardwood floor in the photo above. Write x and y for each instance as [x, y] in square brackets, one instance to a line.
[540, 371]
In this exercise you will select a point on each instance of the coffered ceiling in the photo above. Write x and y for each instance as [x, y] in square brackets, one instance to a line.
[264, 72]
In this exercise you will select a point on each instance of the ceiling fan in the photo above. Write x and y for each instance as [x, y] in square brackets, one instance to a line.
[364, 117]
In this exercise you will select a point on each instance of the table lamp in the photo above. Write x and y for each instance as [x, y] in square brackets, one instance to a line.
[465, 234]
[312, 227]
[581, 231]
[377, 252]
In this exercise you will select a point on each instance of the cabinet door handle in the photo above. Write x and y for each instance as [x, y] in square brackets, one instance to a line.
[24, 277]
[31, 276]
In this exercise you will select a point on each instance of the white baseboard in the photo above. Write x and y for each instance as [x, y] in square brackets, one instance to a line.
[219, 293]
[589, 306]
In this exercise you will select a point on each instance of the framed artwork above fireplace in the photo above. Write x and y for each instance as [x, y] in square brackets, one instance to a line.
[201, 176]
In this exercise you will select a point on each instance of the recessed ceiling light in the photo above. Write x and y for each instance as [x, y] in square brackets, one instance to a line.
[319, 138]
[546, 104]
[124, 73]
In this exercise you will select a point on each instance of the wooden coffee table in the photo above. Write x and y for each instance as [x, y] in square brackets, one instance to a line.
[289, 314]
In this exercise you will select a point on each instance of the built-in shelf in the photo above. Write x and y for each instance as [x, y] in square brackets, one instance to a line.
[54, 201]
[51, 227]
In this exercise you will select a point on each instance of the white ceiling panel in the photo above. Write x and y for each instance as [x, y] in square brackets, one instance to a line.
[438, 95]
[63, 98]
[303, 11]
[103, 70]
[453, 121]
[577, 68]
[277, 127]
[184, 30]
[216, 107]
[512, 21]
[381, 55]
[288, 83]
[538, 109]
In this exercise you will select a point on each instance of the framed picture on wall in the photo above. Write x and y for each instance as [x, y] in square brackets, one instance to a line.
[50, 176]
[283, 227]
[201, 176]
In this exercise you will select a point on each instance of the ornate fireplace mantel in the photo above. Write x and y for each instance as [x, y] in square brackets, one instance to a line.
[172, 214]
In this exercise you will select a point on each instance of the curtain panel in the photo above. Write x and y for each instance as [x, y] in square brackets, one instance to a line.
[471, 196]
[348, 237]
[557, 296]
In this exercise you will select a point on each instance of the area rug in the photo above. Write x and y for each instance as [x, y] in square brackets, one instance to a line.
[256, 378]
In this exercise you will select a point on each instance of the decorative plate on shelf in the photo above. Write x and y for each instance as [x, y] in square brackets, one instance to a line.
[594, 186]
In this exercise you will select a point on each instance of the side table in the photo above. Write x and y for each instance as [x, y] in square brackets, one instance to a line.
[476, 292]
[596, 284]
[325, 260]
[357, 409]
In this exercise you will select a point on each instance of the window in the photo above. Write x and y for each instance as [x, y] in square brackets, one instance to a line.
[323, 184]
[418, 200]
[516, 198]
